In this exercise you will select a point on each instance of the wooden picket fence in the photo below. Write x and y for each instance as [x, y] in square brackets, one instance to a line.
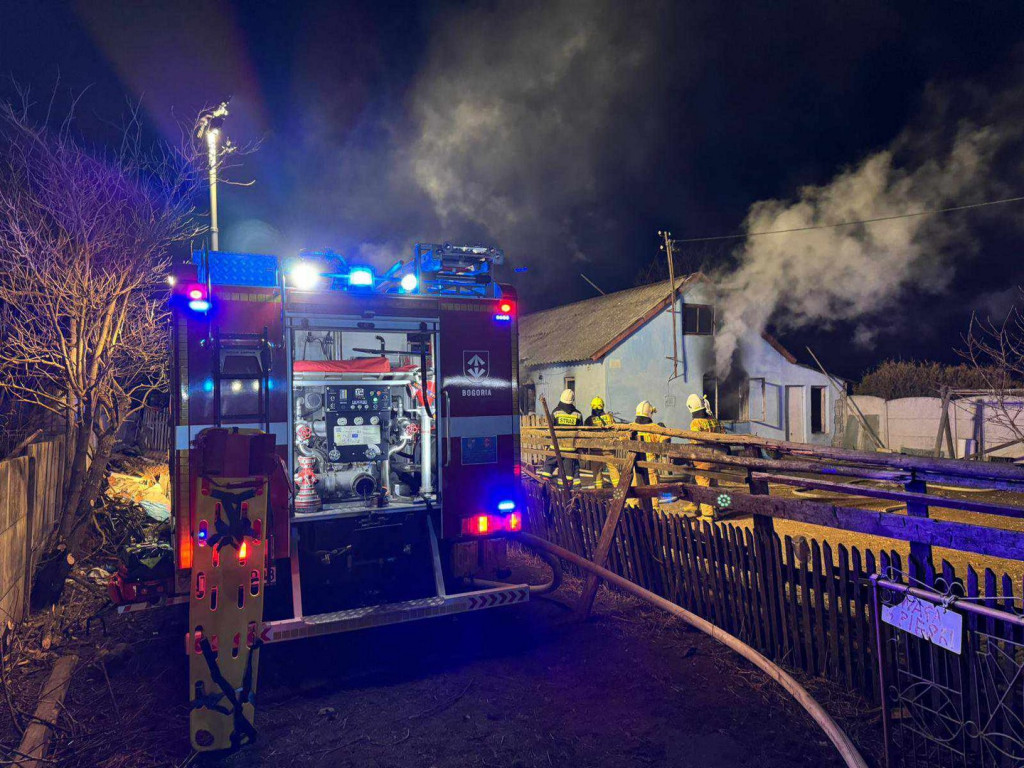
[154, 434]
[804, 604]
[31, 494]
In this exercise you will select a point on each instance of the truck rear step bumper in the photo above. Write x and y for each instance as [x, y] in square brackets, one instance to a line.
[392, 613]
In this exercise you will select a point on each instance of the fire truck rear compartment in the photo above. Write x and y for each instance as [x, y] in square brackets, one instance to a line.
[363, 436]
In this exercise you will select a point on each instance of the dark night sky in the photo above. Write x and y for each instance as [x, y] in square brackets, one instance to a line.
[570, 132]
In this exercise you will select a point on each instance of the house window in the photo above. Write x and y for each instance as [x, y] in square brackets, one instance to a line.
[818, 411]
[729, 399]
[570, 383]
[764, 403]
[698, 320]
[527, 398]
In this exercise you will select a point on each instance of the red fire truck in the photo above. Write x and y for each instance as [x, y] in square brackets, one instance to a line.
[347, 441]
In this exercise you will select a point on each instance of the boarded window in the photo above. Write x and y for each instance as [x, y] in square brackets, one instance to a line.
[698, 320]
[818, 411]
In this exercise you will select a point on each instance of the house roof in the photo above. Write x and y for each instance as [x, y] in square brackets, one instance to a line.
[590, 329]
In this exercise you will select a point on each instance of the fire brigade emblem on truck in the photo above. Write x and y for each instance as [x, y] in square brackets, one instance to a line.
[475, 363]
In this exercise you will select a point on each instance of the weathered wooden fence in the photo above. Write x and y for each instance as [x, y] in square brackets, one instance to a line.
[31, 492]
[805, 603]
[154, 434]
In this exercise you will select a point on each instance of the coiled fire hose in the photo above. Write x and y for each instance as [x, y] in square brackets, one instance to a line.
[835, 734]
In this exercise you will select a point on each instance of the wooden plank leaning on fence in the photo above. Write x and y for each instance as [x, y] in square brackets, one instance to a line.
[554, 443]
[604, 544]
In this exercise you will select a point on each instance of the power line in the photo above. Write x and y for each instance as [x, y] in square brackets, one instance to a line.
[849, 223]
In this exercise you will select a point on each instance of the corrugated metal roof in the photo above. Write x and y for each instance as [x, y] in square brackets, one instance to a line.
[587, 330]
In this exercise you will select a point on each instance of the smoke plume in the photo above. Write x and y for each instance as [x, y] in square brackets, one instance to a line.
[524, 111]
[855, 273]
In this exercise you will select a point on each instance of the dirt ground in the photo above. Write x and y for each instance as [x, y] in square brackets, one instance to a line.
[522, 686]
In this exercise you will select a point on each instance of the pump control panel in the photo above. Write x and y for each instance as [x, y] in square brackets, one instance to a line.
[358, 421]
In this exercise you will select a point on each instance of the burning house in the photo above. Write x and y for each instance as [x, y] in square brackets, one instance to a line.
[620, 347]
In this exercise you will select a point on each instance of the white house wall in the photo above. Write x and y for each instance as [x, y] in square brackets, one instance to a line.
[640, 368]
[550, 381]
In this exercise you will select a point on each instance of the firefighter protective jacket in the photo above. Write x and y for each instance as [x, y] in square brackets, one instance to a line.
[599, 419]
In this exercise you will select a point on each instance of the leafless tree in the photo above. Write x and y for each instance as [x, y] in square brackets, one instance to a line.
[85, 243]
[996, 352]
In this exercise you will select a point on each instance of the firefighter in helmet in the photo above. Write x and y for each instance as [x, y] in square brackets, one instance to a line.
[644, 413]
[703, 420]
[564, 415]
[599, 417]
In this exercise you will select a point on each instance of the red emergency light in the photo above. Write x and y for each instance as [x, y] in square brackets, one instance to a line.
[482, 525]
[504, 311]
[198, 298]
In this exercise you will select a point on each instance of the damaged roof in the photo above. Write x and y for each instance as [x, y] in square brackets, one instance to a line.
[590, 329]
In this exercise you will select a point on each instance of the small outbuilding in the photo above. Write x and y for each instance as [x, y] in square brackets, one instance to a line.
[620, 347]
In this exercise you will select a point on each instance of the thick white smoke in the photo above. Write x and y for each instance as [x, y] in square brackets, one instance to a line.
[853, 273]
[523, 108]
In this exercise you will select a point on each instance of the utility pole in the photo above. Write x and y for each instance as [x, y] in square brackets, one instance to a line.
[667, 248]
[210, 125]
[592, 284]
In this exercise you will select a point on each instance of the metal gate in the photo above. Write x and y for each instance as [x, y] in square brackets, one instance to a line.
[951, 674]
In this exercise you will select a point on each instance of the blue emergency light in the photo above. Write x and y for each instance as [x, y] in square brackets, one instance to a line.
[506, 506]
[360, 277]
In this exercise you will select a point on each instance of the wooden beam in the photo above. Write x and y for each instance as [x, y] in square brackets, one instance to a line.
[37, 736]
[554, 443]
[943, 425]
[907, 497]
[1005, 473]
[994, 542]
[696, 453]
[604, 544]
[920, 551]
[763, 525]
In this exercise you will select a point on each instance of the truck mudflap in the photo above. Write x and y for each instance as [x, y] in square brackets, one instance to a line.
[225, 609]
[392, 613]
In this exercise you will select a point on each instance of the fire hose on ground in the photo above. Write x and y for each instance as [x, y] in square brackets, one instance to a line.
[835, 734]
[535, 589]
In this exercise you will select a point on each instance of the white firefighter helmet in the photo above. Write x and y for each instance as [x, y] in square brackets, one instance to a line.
[694, 403]
[568, 397]
[644, 408]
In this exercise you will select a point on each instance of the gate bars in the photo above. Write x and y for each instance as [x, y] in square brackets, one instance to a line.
[952, 709]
